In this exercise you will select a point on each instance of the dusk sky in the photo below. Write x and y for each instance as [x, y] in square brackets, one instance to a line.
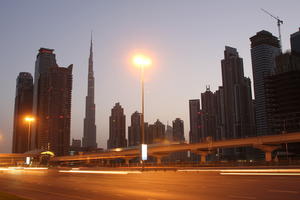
[184, 38]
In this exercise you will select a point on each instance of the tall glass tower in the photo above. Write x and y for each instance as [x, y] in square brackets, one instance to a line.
[264, 48]
[89, 129]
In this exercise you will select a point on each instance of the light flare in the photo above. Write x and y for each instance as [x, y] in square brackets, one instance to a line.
[142, 61]
[29, 119]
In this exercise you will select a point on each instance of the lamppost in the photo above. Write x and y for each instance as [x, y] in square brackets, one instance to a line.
[142, 61]
[29, 120]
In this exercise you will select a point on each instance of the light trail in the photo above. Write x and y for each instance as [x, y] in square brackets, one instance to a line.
[249, 172]
[198, 170]
[261, 174]
[5, 169]
[261, 170]
[99, 172]
[35, 168]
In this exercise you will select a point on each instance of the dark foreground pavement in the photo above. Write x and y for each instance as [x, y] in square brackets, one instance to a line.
[160, 185]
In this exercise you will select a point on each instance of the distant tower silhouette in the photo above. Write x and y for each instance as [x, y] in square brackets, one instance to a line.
[117, 128]
[23, 107]
[89, 130]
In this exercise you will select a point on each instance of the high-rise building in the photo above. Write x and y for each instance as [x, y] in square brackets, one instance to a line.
[195, 121]
[239, 116]
[209, 126]
[89, 127]
[156, 132]
[178, 130]
[295, 43]
[220, 114]
[264, 48]
[169, 133]
[76, 143]
[283, 94]
[23, 107]
[117, 128]
[51, 104]
[134, 131]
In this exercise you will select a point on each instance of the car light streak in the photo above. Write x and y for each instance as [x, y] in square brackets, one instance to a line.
[35, 168]
[198, 170]
[261, 170]
[261, 174]
[99, 172]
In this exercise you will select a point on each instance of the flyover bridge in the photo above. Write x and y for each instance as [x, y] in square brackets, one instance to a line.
[267, 144]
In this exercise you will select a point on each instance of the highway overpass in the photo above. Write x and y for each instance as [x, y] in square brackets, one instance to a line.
[265, 143]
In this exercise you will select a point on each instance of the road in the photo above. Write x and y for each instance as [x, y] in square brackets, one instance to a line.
[160, 185]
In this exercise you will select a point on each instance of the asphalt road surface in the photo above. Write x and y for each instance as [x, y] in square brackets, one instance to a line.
[160, 185]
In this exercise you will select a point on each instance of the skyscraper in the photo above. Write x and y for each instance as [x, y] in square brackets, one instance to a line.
[295, 43]
[208, 102]
[220, 114]
[89, 127]
[23, 107]
[264, 48]
[157, 132]
[195, 120]
[134, 131]
[169, 133]
[283, 91]
[239, 117]
[117, 128]
[178, 130]
[51, 104]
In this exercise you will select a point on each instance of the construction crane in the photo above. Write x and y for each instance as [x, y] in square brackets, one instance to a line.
[279, 21]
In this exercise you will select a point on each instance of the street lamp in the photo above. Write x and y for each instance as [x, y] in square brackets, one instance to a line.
[29, 120]
[142, 61]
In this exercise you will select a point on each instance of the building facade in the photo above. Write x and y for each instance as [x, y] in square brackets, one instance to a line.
[76, 143]
[23, 108]
[135, 130]
[295, 43]
[283, 94]
[169, 133]
[239, 116]
[51, 104]
[195, 121]
[89, 127]
[117, 128]
[209, 115]
[220, 114]
[178, 130]
[264, 48]
[156, 132]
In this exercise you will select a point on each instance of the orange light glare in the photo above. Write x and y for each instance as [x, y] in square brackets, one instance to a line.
[141, 61]
[29, 119]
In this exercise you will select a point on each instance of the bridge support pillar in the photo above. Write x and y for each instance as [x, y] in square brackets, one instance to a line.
[88, 161]
[203, 154]
[127, 161]
[159, 157]
[107, 162]
[268, 149]
[203, 157]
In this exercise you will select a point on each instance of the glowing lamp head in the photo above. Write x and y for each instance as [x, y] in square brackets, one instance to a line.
[141, 61]
[29, 119]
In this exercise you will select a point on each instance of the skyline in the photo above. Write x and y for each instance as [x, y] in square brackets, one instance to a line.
[160, 78]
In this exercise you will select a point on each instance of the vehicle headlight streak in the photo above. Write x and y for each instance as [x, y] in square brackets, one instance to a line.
[250, 172]
[99, 172]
